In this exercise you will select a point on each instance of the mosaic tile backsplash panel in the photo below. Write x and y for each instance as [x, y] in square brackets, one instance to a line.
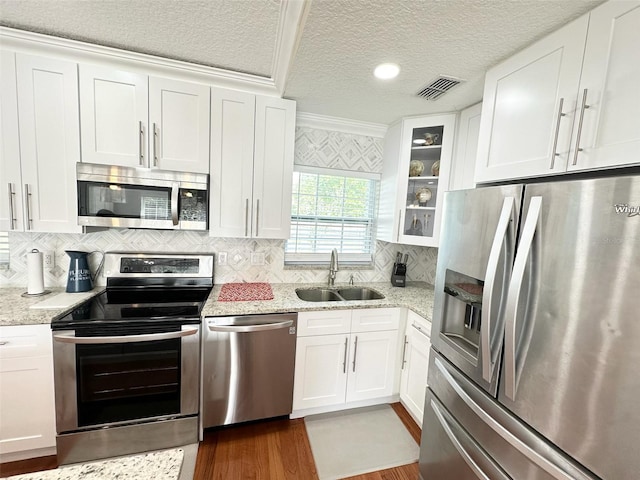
[421, 264]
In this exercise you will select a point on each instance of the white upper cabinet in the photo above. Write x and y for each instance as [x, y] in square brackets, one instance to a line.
[40, 143]
[179, 120]
[113, 113]
[568, 102]
[523, 126]
[130, 119]
[609, 93]
[252, 140]
[415, 174]
[466, 149]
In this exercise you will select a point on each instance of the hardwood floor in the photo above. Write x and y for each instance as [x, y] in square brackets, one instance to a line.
[267, 450]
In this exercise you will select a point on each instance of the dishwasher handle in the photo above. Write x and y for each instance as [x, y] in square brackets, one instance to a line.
[250, 328]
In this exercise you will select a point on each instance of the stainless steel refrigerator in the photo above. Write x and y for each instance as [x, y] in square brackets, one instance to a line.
[535, 368]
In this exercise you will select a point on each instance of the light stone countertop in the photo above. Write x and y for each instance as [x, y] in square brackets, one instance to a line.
[417, 296]
[14, 309]
[162, 465]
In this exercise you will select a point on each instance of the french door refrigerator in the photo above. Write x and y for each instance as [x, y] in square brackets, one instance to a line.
[536, 334]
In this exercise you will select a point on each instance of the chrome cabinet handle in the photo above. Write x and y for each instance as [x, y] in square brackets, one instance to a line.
[12, 212]
[344, 360]
[250, 328]
[27, 201]
[257, 216]
[545, 464]
[457, 444]
[246, 218]
[399, 221]
[404, 351]
[554, 154]
[4, 342]
[70, 338]
[501, 242]
[175, 191]
[579, 134]
[355, 353]
[513, 297]
[155, 146]
[141, 142]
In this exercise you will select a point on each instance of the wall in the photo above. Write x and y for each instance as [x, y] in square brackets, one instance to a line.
[314, 147]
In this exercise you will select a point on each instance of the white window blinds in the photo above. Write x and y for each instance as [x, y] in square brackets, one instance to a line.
[332, 209]
[4, 248]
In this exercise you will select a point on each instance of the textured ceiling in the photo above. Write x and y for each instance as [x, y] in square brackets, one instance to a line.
[342, 41]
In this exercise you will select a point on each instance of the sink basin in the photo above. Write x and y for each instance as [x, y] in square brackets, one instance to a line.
[318, 295]
[329, 295]
[358, 293]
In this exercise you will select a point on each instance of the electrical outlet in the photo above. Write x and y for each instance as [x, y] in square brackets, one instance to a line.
[257, 258]
[222, 258]
[49, 260]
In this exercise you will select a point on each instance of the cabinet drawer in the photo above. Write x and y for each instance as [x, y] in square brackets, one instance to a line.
[375, 319]
[325, 322]
[419, 323]
[25, 341]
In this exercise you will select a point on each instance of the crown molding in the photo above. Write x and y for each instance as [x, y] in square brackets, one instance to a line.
[293, 15]
[336, 124]
[73, 50]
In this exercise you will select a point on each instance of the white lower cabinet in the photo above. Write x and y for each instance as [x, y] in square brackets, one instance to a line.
[27, 404]
[415, 362]
[343, 359]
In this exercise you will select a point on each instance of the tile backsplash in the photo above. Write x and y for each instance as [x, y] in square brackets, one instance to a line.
[421, 263]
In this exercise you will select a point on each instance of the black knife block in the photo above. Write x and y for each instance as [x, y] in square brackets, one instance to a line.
[399, 274]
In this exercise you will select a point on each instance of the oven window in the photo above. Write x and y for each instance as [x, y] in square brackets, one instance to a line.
[120, 382]
[96, 199]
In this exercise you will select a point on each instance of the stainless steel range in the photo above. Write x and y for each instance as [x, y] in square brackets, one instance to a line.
[127, 362]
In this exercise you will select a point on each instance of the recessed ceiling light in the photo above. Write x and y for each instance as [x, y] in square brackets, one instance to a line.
[386, 71]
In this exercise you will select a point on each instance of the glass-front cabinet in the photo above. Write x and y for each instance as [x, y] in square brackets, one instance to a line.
[417, 162]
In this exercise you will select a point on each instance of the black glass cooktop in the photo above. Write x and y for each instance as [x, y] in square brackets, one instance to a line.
[137, 306]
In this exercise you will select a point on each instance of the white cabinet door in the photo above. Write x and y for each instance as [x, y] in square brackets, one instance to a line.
[413, 382]
[231, 197]
[372, 364]
[273, 167]
[49, 142]
[609, 89]
[375, 319]
[463, 165]
[27, 405]
[179, 125]
[522, 131]
[321, 371]
[11, 207]
[114, 108]
[325, 322]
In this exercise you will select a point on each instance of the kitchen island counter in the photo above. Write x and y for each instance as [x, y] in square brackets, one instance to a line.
[417, 296]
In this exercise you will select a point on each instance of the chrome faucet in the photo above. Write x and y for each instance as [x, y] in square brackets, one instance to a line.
[333, 267]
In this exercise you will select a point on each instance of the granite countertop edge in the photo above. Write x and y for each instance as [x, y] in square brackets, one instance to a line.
[417, 296]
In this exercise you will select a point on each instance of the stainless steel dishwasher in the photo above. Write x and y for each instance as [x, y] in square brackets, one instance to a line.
[248, 364]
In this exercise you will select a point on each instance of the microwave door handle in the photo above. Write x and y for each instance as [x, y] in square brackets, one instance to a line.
[513, 298]
[70, 338]
[502, 237]
[175, 190]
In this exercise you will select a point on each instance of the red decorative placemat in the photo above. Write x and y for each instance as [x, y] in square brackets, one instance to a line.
[245, 292]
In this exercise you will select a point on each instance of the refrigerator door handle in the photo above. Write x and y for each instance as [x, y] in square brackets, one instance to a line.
[513, 297]
[503, 235]
[551, 468]
[457, 444]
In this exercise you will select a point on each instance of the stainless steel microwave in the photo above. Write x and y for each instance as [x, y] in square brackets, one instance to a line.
[125, 197]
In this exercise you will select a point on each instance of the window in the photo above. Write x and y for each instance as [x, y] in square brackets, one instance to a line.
[4, 248]
[332, 209]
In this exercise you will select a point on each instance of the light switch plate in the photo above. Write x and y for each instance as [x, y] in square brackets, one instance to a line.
[222, 258]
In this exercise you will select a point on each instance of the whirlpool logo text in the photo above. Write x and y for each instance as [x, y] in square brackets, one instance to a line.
[625, 209]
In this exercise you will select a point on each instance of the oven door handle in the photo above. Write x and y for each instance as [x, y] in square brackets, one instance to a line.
[249, 328]
[70, 338]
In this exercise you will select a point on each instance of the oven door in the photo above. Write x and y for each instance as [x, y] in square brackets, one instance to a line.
[121, 379]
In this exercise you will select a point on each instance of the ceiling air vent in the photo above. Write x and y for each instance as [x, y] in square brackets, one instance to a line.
[438, 87]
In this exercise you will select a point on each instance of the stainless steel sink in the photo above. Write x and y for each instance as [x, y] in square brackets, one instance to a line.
[359, 293]
[342, 294]
[318, 295]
